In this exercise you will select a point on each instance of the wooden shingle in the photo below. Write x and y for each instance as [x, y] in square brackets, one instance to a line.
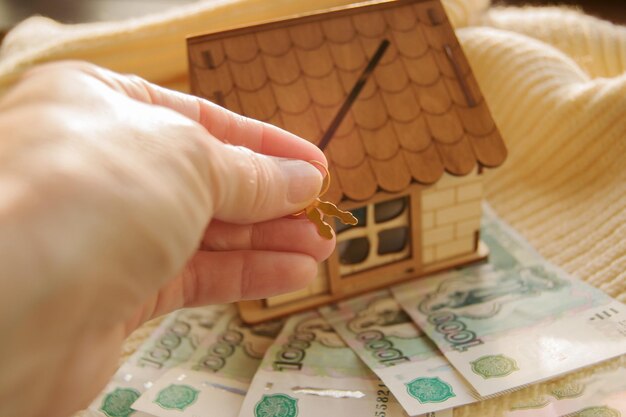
[382, 143]
[348, 151]
[249, 76]
[372, 25]
[274, 42]
[325, 115]
[283, 69]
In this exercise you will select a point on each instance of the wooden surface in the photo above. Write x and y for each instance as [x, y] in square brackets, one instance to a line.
[420, 112]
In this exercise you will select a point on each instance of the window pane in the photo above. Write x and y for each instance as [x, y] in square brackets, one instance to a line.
[361, 215]
[393, 240]
[353, 251]
[388, 210]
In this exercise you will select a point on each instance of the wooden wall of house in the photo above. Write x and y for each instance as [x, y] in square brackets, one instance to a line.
[320, 285]
[451, 211]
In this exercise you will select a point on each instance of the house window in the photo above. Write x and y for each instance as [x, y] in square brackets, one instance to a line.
[382, 236]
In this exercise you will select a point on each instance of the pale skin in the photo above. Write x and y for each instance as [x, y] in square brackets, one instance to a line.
[121, 202]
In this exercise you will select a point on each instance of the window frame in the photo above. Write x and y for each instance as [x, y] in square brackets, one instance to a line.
[371, 231]
[382, 275]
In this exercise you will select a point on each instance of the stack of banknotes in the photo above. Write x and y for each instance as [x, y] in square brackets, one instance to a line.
[419, 348]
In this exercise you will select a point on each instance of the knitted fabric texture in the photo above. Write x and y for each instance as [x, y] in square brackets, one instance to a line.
[555, 81]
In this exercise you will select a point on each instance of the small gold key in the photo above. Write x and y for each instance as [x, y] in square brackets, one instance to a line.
[316, 210]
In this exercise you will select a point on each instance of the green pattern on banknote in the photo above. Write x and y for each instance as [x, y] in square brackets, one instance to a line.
[429, 390]
[569, 390]
[602, 411]
[176, 397]
[276, 405]
[538, 402]
[117, 403]
[480, 297]
[494, 366]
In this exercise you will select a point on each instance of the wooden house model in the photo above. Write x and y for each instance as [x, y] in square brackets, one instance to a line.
[385, 90]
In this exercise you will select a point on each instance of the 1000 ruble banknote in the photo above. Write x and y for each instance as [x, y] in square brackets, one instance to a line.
[517, 320]
[601, 393]
[310, 372]
[172, 343]
[216, 377]
[380, 332]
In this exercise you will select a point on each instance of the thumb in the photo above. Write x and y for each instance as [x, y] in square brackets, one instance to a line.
[250, 187]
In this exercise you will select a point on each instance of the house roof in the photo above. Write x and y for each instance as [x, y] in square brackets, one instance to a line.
[420, 112]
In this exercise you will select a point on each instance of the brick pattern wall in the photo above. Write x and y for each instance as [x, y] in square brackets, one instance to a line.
[451, 211]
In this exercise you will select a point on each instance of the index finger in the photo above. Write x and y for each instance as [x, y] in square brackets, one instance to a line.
[225, 125]
[258, 136]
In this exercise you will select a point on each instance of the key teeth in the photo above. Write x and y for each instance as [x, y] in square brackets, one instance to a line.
[319, 208]
[326, 232]
[351, 220]
[330, 209]
[346, 217]
[323, 228]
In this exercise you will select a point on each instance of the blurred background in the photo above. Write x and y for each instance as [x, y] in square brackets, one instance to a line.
[80, 11]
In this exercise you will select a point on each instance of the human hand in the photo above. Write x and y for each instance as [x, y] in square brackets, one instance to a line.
[123, 201]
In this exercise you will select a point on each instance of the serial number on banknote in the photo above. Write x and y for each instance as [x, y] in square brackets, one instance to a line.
[382, 398]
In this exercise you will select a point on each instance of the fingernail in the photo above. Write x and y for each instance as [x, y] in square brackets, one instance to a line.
[305, 181]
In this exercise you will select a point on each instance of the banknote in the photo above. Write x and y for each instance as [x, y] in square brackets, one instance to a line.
[385, 338]
[172, 343]
[515, 320]
[598, 394]
[216, 377]
[309, 369]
